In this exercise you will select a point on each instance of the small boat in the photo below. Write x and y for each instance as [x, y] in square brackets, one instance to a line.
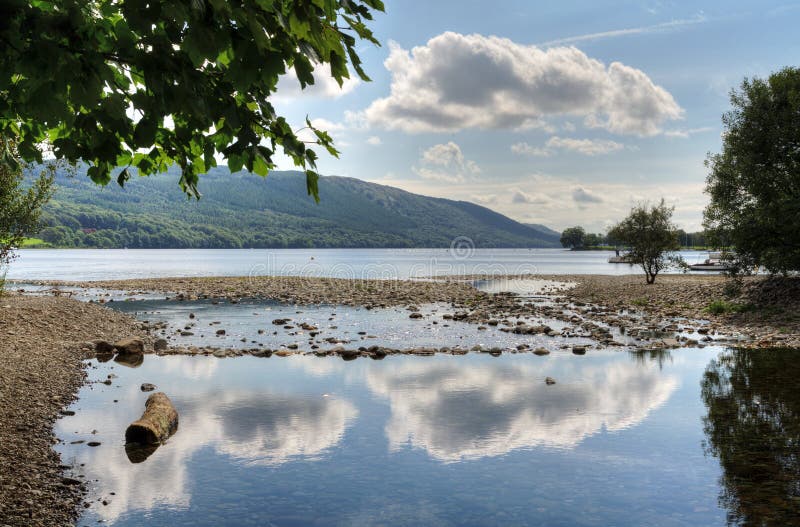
[621, 259]
[716, 261]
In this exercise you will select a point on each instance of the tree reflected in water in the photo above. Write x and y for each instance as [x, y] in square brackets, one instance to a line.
[753, 427]
[659, 356]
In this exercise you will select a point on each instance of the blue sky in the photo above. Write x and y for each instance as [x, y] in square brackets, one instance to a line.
[559, 113]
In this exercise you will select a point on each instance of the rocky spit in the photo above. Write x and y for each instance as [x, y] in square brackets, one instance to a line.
[766, 314]
[43, 341]
[294, 290]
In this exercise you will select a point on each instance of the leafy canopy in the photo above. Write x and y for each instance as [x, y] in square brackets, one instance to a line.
[754, 182]
[651, 237]
[146, 84]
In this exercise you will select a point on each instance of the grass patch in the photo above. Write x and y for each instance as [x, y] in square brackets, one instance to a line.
[640, 302]
[33, 242]
[721, 307]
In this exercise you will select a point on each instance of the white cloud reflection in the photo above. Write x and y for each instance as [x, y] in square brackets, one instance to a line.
[467, 411]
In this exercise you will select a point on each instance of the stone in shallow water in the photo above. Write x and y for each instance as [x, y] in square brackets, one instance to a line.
[131, 345]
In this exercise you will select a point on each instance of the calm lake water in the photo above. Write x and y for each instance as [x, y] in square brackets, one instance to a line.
[688, 437]
[112, 264]
[672, 439]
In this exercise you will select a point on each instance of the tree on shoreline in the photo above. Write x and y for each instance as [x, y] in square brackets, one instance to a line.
[572, 237]
[20, 209]
[147, 84]
[651, 236]
[754, 183]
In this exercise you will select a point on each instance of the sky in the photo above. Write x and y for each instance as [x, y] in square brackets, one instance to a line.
[561, 113]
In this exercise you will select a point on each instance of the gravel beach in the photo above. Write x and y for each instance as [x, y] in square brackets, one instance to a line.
[41, 349]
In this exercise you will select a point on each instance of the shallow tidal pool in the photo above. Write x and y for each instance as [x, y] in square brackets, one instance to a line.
[620, 439]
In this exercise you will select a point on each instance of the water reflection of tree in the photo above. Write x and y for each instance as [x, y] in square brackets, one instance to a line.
[753, 427]
[658, 355]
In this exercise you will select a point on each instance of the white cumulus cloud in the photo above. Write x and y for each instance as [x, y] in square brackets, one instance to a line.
[521, 197]
[445, 162]
[582, 196]
[324, 87]
[456, 81]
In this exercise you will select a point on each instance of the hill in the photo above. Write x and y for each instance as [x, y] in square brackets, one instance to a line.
[544, 228]
[244, 210]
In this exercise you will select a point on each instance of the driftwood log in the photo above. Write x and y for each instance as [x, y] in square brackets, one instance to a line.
[158, 422]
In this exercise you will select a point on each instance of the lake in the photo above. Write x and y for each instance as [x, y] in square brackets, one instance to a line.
[693, 436]
[113, 264]
[672, 439]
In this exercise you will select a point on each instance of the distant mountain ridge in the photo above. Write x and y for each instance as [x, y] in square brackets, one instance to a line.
[244, 210]
[543, 228]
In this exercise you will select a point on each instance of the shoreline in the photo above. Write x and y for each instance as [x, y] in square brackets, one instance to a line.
[43, 345]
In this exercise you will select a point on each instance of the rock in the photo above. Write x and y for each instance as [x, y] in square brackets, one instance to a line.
[541, 351]
[348, 354]
[579, 350]
[415, 315]
[549, 380]
[147, 387]
[220, 332]
[158, 422]
[130, 345]
[160, 344]
[103, 347]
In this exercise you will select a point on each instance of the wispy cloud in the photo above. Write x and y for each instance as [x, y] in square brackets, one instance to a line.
[673, 25]
[587, 147]
[684, 134]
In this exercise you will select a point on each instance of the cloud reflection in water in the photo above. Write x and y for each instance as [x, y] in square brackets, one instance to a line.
[463, 410]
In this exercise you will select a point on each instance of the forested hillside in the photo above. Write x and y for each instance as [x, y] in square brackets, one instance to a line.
[243, 210]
